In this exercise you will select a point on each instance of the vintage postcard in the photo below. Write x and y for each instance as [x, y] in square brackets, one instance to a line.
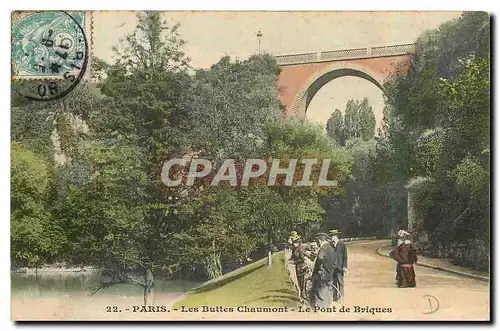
[250, 166]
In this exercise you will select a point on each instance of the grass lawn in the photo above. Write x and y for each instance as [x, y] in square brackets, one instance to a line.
[254, 285]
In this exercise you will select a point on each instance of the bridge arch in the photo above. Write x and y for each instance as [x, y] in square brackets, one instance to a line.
[333, 71]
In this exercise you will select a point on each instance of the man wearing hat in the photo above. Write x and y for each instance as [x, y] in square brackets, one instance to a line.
[341, 268]
[300, 252]
[323, 272]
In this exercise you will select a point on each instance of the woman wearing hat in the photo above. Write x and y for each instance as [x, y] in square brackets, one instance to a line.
[300, 252]
[406, 257]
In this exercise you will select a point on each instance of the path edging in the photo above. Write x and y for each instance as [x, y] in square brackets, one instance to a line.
[451, 271]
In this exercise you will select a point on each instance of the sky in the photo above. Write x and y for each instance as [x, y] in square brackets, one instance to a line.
[211, 35]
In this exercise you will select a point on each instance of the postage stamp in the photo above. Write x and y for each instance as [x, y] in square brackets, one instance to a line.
[51, 47]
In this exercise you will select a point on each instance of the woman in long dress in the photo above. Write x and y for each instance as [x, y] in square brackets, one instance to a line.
[406, 257]
[322, 279]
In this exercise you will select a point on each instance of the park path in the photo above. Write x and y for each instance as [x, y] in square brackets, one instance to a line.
[370, 281]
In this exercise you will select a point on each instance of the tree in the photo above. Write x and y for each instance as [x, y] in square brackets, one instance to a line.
[367, 127]
[35, 238]
[99, 69]
[335, 127]
[141, 122]
[233, 102]
[466, 113]
[297, 205]
[232, 105]
[238, 116]
[364, 207]
[53, 135]
[439, 127]
[53, 127]
[106, 225]
[215, 230]
[358, 122]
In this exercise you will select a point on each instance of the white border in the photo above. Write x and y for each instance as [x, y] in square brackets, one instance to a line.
[379, 5]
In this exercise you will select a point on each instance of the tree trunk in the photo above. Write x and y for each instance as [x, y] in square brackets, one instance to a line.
[213, 266]
[269, 249]
[148, 285]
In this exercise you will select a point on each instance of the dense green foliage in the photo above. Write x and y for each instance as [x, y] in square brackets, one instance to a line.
[432, 150]
[439, 136]
[363, 208]
[35, 237]
[335, 127]
[238, 116]
[92, 194]
[358, 122]
[105, 191]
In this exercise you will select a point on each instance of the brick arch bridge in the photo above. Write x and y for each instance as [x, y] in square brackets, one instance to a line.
[303, 75]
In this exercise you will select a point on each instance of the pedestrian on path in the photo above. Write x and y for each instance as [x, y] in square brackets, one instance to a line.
[324, 266]
[341, 266]
[301, 252]
[406, 257]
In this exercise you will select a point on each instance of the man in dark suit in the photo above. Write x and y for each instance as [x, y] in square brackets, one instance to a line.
[341, 266]
[324, 267]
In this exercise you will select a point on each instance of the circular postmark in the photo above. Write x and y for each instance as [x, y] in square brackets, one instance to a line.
[49, 53]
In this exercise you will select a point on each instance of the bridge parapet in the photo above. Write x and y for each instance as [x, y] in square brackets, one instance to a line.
[346, 54]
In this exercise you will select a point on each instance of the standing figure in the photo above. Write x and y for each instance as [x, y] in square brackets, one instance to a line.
[406, 256]
[341, 267]
[326, 262]
[300, 253]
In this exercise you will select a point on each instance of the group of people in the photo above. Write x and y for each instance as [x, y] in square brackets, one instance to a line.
[323, 264]
[326, 262]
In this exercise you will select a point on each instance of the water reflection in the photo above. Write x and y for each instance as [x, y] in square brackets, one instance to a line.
[45, 284]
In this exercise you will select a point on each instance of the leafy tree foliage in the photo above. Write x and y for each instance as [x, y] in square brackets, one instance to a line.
[293, 139]
[35, 239]
[335, 127]
[238, 116]
[363, 208]
[439, 126]
[358, 122]
[106, 206]
[140, 124]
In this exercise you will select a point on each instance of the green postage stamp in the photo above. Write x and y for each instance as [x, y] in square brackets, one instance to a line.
[49, 44]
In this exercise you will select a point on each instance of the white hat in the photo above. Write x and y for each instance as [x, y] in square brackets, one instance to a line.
[403, 233]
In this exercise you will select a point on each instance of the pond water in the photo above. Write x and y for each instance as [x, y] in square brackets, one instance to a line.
[73, 284]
